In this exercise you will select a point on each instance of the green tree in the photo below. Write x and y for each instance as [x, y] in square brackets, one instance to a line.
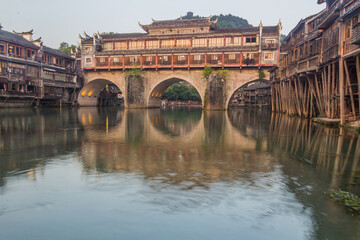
[261, 74]
[134, 72]
[181, 92]
[207, 71]
[222, 74]
[66, 48]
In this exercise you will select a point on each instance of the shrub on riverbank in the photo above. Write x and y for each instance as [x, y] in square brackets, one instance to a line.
[350, 200]
[357, 130]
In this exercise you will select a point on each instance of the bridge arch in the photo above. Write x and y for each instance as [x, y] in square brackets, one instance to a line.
[157, 90]
[244, 85]
[89, 94]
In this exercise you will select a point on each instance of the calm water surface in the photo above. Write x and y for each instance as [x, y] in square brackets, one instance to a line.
[173, 174]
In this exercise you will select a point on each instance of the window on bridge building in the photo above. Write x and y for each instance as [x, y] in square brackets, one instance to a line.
[120, 45]
[183, 43]
[199, 42]
[232, 56]
[88, 60]
[152, 44]
[233, 41]
[251, 39]
[167, 43]
[270, 41]
[214, 57]
[216, 42]
[181, 58]
[107, 46]
[134, 59]
[136, 44]
[197, 57]
[269, 56]
[164, 58]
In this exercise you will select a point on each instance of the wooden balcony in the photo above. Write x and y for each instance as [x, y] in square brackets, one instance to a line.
[355, 36]
[348, 47]
[299, 66]
[330, 53]
[270, 46]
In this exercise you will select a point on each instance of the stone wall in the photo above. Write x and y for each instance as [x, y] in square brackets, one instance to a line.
[142, 93]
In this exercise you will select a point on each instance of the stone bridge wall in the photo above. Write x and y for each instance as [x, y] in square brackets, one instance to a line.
[146, 92]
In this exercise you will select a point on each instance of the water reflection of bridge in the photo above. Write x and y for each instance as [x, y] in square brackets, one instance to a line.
[154, 127]
[254, 149]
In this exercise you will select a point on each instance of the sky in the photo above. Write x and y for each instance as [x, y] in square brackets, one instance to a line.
[59, 21]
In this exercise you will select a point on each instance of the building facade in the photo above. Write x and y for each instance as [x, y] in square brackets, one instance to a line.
[320, 72]
[183, 44]
[31, 73]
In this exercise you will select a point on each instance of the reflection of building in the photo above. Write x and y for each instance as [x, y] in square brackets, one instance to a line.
[31, 72]
[321, 72]
[183, 43]
[254, 94]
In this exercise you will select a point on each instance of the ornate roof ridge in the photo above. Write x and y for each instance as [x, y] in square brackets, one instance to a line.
[28, 32]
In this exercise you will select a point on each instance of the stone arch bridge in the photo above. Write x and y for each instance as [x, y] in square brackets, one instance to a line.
[146, 92]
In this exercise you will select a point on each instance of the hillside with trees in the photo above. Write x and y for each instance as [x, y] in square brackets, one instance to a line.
[225, 21]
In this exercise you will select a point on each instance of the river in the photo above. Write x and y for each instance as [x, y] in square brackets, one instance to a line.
[179, 173]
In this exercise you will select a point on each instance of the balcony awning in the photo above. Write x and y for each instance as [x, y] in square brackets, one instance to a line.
[350, 11]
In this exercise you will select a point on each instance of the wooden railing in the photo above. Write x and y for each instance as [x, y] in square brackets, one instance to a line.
[330, 53]
[355, 36]
[178, 61]
[287, 69]
[348, 47]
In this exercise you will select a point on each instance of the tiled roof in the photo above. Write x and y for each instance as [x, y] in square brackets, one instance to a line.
[123, 35]
[270, 29]
[257, 86]
[56, 52]
[12, 37]
[180, 22]
[244, 30]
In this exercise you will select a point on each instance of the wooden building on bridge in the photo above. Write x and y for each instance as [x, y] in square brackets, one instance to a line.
[320, 73]
[183, 44]
[31, 73]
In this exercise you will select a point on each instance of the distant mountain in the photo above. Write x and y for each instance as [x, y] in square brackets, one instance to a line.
[225, 21]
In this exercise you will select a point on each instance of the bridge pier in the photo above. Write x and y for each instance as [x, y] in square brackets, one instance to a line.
[215, 95]
[135, 92]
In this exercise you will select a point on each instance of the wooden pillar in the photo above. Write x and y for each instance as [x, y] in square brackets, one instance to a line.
[172, 61]
[342, 92]
[333, 92]
[273, 96]
[350, 89]
[157, 61]
[109, 63]
[95, 63]
[241, 56]
[223, 60]
[358, 77]
[188, 61]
